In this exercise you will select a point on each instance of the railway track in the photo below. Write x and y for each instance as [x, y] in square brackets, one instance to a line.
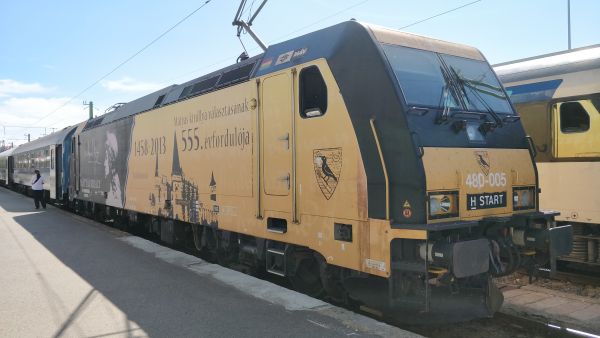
[573, 277]
[501, 325]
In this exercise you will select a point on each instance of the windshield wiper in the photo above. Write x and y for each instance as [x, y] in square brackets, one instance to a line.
[499, 93]
[476, 85]
[464, 84]
[450, 90]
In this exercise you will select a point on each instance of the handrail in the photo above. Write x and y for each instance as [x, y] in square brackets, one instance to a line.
[385, 174]
[258, 154]
[293, 144]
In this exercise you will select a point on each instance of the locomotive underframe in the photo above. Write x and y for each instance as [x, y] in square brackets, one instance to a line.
[423, 273]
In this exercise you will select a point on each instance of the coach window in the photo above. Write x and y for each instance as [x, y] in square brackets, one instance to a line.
[313, 93]
[577, 128]
[573, 118]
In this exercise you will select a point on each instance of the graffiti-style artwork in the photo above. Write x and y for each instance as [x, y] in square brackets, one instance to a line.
[328, 167]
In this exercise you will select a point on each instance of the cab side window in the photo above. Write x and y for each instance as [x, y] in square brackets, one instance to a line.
[573, 118]
[576, 132]
[313, 93]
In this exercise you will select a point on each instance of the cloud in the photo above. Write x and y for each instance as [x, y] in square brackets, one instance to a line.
[32, 111]
[130, 85]
[11, 87]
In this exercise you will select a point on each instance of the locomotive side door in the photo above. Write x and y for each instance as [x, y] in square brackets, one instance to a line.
[276, 141]
[56, 165]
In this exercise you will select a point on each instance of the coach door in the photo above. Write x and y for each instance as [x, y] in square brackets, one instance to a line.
[11, 165]
[56, 165]
[276, 142]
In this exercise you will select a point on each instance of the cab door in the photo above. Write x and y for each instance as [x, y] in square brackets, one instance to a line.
[276, 141]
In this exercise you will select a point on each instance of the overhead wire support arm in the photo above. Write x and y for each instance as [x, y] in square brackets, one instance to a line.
[242, 25]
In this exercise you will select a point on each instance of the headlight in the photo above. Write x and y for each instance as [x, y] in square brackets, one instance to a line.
[523, 198]
[443, 204]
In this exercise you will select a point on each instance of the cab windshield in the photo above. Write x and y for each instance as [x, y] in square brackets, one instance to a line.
[448, 82]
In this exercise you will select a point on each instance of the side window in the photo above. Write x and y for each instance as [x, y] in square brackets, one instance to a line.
[573, 118]
[313, 93]
[596, 103]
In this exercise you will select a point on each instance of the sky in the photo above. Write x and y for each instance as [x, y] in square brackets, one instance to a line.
[56, 55]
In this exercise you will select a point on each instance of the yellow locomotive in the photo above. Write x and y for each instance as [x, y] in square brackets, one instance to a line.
[361, 162]
[558, 97]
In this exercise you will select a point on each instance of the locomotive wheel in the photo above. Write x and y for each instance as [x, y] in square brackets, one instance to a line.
[307, 278]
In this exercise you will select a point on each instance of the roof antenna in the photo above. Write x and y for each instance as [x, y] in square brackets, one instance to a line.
[245, 26]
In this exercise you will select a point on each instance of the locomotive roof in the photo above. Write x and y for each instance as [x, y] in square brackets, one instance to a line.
[54, 138]
[332, 41]
[569, 61]
[218, 79]
[325, 43]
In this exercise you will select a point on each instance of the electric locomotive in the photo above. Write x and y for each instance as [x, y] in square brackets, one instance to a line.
[558, 97]
[363, 163]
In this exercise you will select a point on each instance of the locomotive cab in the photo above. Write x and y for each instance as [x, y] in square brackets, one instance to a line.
[451, 181]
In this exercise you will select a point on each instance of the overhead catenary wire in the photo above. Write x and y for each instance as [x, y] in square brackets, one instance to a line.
[229, 58]
[319, 21]
[272, 41]
[126, 60]
[440, 14]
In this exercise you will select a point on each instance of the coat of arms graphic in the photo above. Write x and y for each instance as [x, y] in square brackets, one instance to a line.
[328, 167]
[483, 160]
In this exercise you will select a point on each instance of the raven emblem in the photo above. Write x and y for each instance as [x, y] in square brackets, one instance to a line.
[483, 160]
[328, 167]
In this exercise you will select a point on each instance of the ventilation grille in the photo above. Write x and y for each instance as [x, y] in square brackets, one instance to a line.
[236, 75]
[94, 122]
[224, 79]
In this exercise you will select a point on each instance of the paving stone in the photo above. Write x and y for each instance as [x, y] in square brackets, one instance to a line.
[567, 308]
[515, 293]
[525, 299]
[547, 303]
[586, 314]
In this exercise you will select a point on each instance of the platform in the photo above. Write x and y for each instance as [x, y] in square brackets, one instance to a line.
[67, 276]
[554, 307]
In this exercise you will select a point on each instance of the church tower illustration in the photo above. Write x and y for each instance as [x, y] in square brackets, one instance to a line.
[213, 187]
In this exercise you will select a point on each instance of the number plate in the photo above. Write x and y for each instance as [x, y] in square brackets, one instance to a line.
[486, 200]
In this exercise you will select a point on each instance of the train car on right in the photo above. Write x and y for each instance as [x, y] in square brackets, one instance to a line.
[558, 98]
